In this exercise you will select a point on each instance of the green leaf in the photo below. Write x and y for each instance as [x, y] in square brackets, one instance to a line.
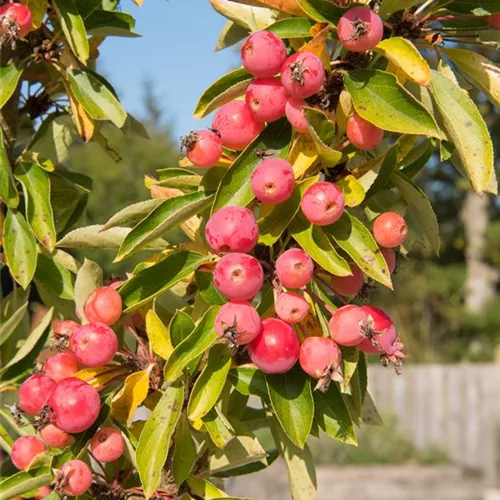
[20, 248]
[208, 386]
[235, 186]
[369, 412]
[390, 6]
[110, 23]
[225, 89]
[248, 380]
[204, 489]
[181, 325]
[8, 190]
[379, 99]
[293, 27]
[73, 28]
[131, 215]
[350, 357]
[180, 178]
[230, 34]
[157, 279]
[24, 482]
[316, 243]
[200, 339]
[249, 17]
[355, 239]
[38, 10]
[421, 207]
[13, 321]
[322, 11]
[99, 102]
[36, 187]
[465, 127]
[380, 171]
[206, 287]
[218, 428]
[163, 218]
[292, 401]
[154, 442]
[184, 451]
[9, 78]
[53, 275]
[472, 6]
[89, 278]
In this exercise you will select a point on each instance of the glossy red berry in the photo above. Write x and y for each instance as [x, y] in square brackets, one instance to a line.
[322, 203]
[347, 325]
[494, 21]
[276, 348]
[203, 148]
[319, 357]
[263, 53]
[94, 344]
[291, 307]
[294, 268]
[360, 29]
[232, 229]
[61, 366]
[295, 114]
[75, 477]
[103, 305]
[238, 276]
[64, 327]
[34, 393]
[390, 229]
[236, 125]
[75, 405]
[15, 20]
[302, 74]
[363, 134]
[266, 97]
[272, 181]
[25, 449]
[390, 257]
[55, 437]
[107, 445]
[238, 321]
[349, 286]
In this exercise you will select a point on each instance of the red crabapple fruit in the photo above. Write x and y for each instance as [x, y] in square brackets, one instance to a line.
[116, 284]
[263, 53]
[15, 20]
[363, 134]
[238, 276]
[75, 477]
[322, 203]
[494, 21]
[347, 325]
[34, 393]
[238, 321]
[64, 327]
[236, 125]
[294, 268]
[266, 97]
[232, 229]
[272, 181]
[75, 405]
[94, 344]
[103, 305]
[360, 29]
[43, 492]
[390, 257]
[349, 286]
[390, 229]
[25, 449]
[276, 348]
[107, 445]
[60, 366]
[302, 74]
[291, 307]
[295, 114]
[55, 437]
[203, 148]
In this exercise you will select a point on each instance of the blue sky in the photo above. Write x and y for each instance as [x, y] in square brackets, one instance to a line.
[175, 52]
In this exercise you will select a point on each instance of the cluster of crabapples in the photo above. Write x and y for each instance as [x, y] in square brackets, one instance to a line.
[61, 404]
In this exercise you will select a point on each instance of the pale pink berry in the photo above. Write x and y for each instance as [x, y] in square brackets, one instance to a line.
[322, 203]
[363, 134]
[236, 125]
[302, 74]
[347, 325]
[75, 477]
[294, 268]
[34, 393]
[238, 321]
[360, 29]
[25, 449]
[107, 445]
[203, 148]
[15, 19]
[103, 305]
[291, 307]
[390, 257]
[94, 344]
[61, 366]
[263, 53]
[232, 229]
[319, 357]
[267, 98]
[55, 437]
[238, 276]
[272, 181]
[349, 286]
[390, 229]
[294, 110]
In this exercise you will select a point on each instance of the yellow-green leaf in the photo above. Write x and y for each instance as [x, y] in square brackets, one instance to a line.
[130, 397]
[100, 375]
[352, 190]
[38, 9]
[204, 489]
[158, 335]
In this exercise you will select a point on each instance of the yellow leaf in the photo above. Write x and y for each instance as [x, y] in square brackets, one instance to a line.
[352, 190]
[309, 327]
[318, 44]
[303, 155]
[131, 395]
[224, 161]
[344, 111]
[100, 375]
[158, 335]
[84, 124]
[138, 2]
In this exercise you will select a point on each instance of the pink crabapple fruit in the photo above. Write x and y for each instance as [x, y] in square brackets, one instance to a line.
[60, 366]
[276, 347]
[390, 257]
[107, 445]
[94, 344]
[236, 125]
[25, 449]
[263, 53]
[294, 111]
[203, 148]
[55, 437]
[347, 325]
[232, 229]
[238, 321]
[294, 268]
[272, 181]
[238, 276]
[322, 203]
[291, 307]
[363, 134]
[390, 229]
[349, 286]
[43, 492]
[16, 20]
[34, 393]
[302, 74]
[64, 327]
[360, 29]
[75, 477]
[266, 98]
[103, 305]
